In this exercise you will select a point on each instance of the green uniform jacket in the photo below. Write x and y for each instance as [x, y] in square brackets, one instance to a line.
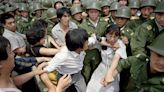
[144, 35]
[140, 81]
[100, 29]
[133, 24]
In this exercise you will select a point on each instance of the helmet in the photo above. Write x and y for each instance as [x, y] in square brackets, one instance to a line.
[157, 44]
[23, 7]
[160, 7]
[105, 3]
[47, 4]
[134, 4]
[38, 6]
[94, 5]
[124, 12]
[148, 3]
[114, 6]
[76, 9]
[9, 8]
[51, 13]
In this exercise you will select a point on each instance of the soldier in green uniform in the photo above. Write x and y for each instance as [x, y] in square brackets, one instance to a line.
[51, 18]
[97, 25]
[37, 12]
[145, 33]
[123, 15]
[113, 8]
[105, 7]
[23, 24]
[147, 74]
[76, 11]
[134, 8]
[147, 7]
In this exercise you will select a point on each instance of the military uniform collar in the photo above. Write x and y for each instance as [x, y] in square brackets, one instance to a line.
[160, 28]
[93, 23]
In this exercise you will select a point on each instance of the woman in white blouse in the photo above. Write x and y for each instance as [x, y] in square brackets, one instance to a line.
[113, 50]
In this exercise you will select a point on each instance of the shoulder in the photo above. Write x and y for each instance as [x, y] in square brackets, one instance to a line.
[72, 25]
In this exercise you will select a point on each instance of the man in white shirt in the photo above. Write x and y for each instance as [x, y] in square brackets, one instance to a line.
[70, 59]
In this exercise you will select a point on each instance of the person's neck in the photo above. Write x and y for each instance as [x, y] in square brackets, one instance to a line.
[94, 21]
[6, 81]
[64, 27]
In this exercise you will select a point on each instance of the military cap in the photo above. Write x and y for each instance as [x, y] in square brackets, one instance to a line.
[47, 4]
[123, 12]
[134, 4]
[157, 44]
[114, 6]
[145, 3]
[105, 3]
[160, 7]
[76, 9]
[94, 5]
[51, 13]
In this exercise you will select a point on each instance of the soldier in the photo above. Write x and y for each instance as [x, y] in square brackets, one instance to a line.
[145, 33]
[93, 24]
[51, 18]
[147, 74]
[37, 11]
[122, 17]
[23, 24]
[76, 11]
[105, 7]
[134, 8]
[113, 8]
[147, 7]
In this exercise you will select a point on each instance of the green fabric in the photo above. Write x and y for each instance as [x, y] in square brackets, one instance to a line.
[144, 35]
[139, 80]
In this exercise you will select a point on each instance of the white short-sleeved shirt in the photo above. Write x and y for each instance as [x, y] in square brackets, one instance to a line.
[16, 39]
[66, 62]
[59, 35]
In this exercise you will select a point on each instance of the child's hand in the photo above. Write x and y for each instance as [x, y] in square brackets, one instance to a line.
[64, 81]
[39, 70]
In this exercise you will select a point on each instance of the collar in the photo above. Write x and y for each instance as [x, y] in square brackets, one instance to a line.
[159, 26]
[93, 23]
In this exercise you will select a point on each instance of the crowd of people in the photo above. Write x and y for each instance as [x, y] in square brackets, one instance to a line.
[81, 46]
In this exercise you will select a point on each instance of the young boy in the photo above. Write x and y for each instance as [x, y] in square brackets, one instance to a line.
[69, 60]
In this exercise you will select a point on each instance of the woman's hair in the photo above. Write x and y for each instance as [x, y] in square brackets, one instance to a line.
[40, 23]
[76, 38]
[3, 48]
[60, 12]
[113, 29]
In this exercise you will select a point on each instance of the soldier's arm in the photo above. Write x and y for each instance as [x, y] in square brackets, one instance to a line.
[138, 42]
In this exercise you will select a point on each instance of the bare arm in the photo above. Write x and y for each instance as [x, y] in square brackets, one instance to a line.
[48, 51]
[47, 82]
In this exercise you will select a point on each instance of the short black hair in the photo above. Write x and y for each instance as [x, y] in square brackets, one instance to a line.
[35, 34]
[76, 38]
[60, 12]
[40, 23]
[4, 17]
[3, 48]
[113, 28]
